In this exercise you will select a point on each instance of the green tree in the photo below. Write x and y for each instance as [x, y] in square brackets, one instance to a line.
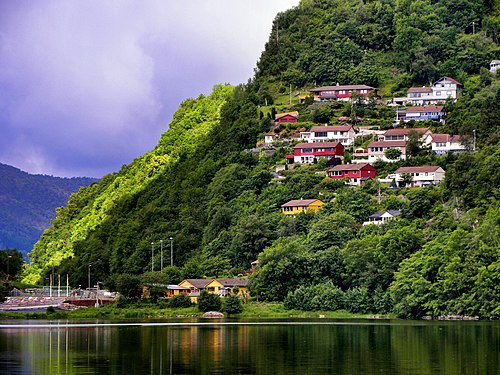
[392, 153]
[209, 302]
[233, 305]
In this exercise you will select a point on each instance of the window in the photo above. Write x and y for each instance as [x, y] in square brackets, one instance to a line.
[438, 93]
[320, 134]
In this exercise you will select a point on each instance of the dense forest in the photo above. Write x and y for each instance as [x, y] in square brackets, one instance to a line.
[206, 186]
[28, 203]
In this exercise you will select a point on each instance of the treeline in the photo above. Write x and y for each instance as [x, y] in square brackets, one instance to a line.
[218, 199]
[392, 43]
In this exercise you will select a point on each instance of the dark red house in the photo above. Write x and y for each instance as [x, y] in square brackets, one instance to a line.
[288, 117]
[305, 153]
[341, 92]
[357, 173]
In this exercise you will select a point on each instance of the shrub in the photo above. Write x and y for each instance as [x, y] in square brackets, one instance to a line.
[179, 301]
[233, 305]
[209, 302]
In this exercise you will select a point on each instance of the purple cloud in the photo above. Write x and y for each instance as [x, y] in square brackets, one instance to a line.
[86, 86]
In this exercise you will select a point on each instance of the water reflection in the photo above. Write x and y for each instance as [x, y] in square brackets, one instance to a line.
[314, 348]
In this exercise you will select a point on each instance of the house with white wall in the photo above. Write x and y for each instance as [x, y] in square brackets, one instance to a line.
[344, 134]
[421, 176]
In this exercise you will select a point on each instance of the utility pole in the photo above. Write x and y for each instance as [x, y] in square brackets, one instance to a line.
[161, 257]
[290, 94]
[171, 251]
[152, 257]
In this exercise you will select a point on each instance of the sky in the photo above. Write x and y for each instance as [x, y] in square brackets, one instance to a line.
[87, 86]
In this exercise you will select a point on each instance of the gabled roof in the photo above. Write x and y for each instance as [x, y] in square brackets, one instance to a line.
[387, 144]
[317, 144]
[425, 108]
[445, 138]
[380, 214]
[331, 128]
[350, 167]
[422, 169]
[300, 202]
[405, 131]
[448, 78]
[230, 282]
[342, 87]
[197, 283]
[280, 115]
[420, 89]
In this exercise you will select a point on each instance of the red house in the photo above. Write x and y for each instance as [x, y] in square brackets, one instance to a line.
[287, 117]
[305, 153]
[357, 173]
[341, 92]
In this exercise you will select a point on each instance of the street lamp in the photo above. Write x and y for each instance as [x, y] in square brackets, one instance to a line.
[171, 252]
[90, 265]
[161, 257]
[152, 256]
[8, 266]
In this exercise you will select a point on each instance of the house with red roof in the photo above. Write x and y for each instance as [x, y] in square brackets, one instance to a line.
[286, 117]
[426, 112]
[421, 176]
[341, 92]
[306, 153]
[402, 134]
[445, 143]
[376, 150]
[356, 173]
[344, 134]
[296, 206]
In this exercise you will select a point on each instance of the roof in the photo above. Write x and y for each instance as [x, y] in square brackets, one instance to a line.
[420, 89]
[317, 144]
[495, 62]
[448, 78]
[425, 108]
[197, 283]
[271, 135]
[350, 167]
[332, 128]
[342, 87]
[422, 169]
[379, 214]
[405, 131]
[445, 138]
[293, 114]
[300, 202]
[239, 281]
[387, 144]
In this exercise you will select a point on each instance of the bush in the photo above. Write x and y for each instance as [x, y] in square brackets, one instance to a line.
[321, 297]
[209, 302]
[179, 301]
[358, 300]
[233, 305]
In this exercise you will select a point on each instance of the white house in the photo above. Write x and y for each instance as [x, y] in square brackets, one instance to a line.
[425, 112]
[344, 134]
[442, 89]
[383, 217]
[376, 150]
[421, 176]
[445, 143]
[269, 138]
[495, 66]
[402, 134]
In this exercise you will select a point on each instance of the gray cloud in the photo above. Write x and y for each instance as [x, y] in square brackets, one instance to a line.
[86, 86]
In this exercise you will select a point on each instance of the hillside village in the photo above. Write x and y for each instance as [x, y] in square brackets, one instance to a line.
[357, 170]
[405, 137]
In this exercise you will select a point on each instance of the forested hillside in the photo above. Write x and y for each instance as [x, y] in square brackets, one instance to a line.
[28, 203]
[219, 199]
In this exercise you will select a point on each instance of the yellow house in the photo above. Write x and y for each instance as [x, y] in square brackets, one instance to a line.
[225, 286]
[195, 286]
[297, 206]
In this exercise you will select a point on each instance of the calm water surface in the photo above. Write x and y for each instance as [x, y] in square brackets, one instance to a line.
[232, 347]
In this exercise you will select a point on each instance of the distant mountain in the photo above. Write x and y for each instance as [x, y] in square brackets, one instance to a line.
[28, 204]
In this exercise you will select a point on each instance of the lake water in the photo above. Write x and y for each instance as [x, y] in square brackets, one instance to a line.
[322, 346]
